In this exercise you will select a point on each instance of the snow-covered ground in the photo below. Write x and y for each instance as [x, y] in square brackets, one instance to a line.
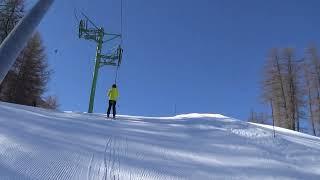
[39, 144]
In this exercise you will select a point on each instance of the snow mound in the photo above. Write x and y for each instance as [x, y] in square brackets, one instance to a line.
[197, 115]
[41, 144]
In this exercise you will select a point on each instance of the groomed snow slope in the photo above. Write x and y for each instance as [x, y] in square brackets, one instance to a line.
[39, 144]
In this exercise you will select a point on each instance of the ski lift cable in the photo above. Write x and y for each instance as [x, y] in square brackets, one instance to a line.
[75, 15]
[116, 76]
[121, 20]
[121, 38]
[91, 22]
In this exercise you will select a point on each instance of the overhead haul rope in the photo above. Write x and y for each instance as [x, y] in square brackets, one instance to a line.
[121, 20]
[121, 40]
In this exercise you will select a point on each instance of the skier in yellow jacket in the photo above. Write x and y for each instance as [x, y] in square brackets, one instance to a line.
[113, 95]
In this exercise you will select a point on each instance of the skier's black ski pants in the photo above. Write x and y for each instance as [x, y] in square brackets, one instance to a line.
[112, 104]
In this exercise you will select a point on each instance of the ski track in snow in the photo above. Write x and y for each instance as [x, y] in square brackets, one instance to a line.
[40, 144]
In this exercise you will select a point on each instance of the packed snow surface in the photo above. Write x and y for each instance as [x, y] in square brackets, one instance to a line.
[40, 144]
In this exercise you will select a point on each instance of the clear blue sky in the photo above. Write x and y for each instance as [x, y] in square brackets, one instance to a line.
[202, 55]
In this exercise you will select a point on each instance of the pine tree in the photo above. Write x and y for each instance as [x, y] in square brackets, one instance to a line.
[26, 81]
[11, 11]
[31, 76]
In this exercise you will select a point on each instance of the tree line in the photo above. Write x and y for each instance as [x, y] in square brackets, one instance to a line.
[26, 82]
[291, 89]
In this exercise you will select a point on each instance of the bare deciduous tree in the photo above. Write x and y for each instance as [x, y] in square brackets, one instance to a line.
[281, 88]
[309, 91]
[312, 79]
